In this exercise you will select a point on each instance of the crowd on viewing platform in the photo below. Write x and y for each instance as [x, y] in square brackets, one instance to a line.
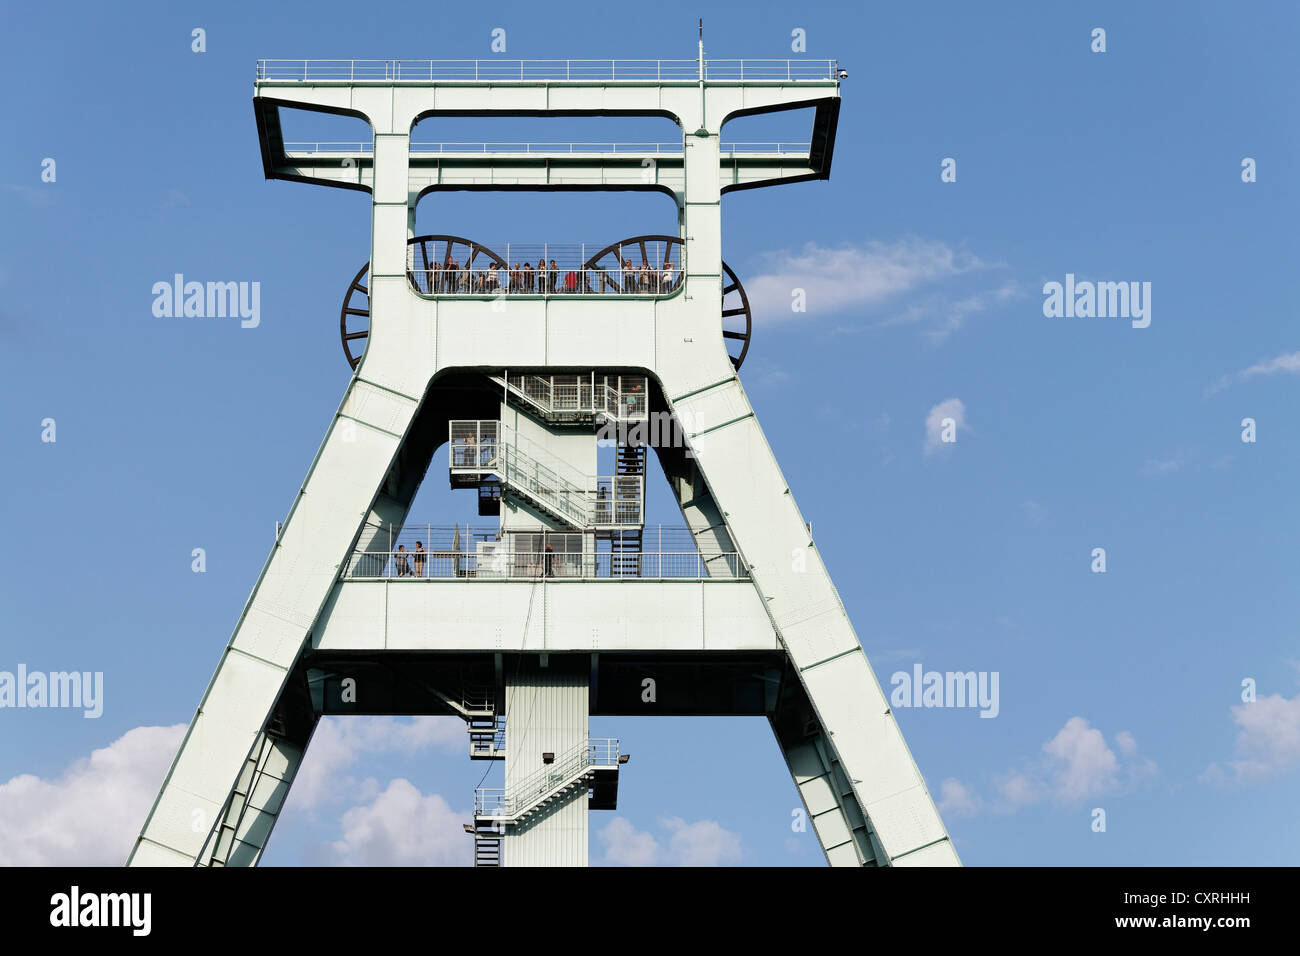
[547, 278]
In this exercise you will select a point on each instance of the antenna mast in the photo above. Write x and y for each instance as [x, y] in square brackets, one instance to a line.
[701, 49]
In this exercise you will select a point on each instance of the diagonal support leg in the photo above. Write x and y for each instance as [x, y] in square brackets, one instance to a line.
[226, 733]
[824, 787]
[857, 749]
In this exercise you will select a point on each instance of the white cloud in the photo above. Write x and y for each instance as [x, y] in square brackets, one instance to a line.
[1075, 764]
[403, 827]
[1268, 739]
[1084, 765]
[625, 845]
[1281, 363]
[340, 741]
[956, 799]
[91, 814]
[953, 408]
[854, 276]
[1017, 790]
[944, 315]
[702, 843]
[1287, 362]
[1156, 467]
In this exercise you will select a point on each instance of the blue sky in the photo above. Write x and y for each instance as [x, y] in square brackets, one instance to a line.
[1121, 690]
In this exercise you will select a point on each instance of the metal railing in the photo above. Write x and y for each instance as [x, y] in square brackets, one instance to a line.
[544, 268]
[598, 753]
[503, 564]
[477, 71]
[479, 700]
[544, 149]
[465, 552]
[620, 397]
[481, 744]
[487, 447]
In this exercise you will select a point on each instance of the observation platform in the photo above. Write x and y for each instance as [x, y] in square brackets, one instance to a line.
[544, 614]
[545, 87]
[470, 554]
[588, 71]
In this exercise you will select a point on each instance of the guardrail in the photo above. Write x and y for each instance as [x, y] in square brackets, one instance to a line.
[487, 447]
[500, 564]
[546, 149]
[596, 753]
[563, 395]
[477, 71]
[562, 280]
[652, 268]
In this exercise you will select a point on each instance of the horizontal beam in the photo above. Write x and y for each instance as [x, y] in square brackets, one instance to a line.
[544, 616]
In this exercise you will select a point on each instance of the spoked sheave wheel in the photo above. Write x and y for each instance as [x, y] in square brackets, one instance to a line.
[431, 255]
[653, 251]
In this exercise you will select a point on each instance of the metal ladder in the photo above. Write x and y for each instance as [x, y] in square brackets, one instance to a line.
[625, 544]
[487, 843]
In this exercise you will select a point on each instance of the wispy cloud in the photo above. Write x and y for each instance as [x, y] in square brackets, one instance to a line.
[1289, 362]
[956, 799]
[1154, 466]
[1268, 740]
[870, 277]
[1074, 765]
[702, 843]
[940, 315]
[33, 195]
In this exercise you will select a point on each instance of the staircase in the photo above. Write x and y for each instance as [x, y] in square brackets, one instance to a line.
[589, 766]
[625, 544]
[580, 769]
[571, 398]
[487, 729]
[487, 843]
[487, 737]
[480, 449]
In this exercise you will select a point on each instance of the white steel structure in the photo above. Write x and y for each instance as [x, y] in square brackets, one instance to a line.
[569, 605]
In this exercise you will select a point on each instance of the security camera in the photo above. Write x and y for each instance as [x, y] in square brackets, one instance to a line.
[844, 74]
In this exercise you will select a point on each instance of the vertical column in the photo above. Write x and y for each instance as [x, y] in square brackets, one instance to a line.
[702, 219]
[401, 352]
[546, 712]
[391, 219]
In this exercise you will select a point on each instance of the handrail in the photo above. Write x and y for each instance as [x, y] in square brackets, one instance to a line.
[653, 267]
[527, 71]
[549, 149]
[594, 753]
[491, 447]
[464, 565]
[579, 395]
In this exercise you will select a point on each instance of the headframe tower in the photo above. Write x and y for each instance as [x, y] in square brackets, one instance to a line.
[570, 605]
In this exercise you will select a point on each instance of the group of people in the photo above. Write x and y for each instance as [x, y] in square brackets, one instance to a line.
[403, 559]
[451, 278]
